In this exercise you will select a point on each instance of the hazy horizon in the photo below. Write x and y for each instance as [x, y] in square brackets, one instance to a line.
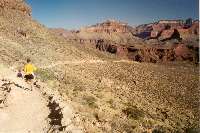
[74, 14]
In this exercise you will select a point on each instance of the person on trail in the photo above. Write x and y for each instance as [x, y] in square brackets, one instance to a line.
[29, 70]
[19, 74]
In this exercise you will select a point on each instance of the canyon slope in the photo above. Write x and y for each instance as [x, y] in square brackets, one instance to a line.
[163, 41]
[100, 92]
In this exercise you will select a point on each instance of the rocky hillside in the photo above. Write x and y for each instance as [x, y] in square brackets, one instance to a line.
[18, 5]
[23, 37]
[103, 89]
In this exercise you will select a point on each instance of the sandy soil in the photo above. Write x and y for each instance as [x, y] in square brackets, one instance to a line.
[23, 110]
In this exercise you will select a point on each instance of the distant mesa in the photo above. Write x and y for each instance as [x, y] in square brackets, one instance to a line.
[109, 26]
[171, 22]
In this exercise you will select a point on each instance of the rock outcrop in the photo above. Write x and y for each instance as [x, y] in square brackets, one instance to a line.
[153, 30]
[110, 26]
[169, 34]
[153, 54]
[183, 52]
[143, 31]
[166, 27]
[19, 5]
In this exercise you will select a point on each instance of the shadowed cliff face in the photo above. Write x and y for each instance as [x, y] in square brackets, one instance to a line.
[19, 5]
[153, 54]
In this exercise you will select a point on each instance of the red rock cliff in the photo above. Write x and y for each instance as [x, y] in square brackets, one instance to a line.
[109, 26]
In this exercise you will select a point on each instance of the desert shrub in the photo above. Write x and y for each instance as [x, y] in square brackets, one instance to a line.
[78, 89]
[133, 112]
[90, 101]
[163, 129]
[45, 74]
[123, 126]
[157, 131]
[193, 130]
[112, 103]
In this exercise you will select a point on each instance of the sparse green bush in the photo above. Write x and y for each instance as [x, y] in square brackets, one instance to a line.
[90, 101]
[193, 130]
[111, 101]
[78, 89]
[112, 104]
[45, 74]
[122, 126]
[133, 112]
[159, 130]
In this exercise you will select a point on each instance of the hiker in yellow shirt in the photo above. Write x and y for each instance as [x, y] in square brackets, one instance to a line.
[29, 70]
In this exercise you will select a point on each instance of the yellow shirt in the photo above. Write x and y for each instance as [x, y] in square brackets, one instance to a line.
[29, 69]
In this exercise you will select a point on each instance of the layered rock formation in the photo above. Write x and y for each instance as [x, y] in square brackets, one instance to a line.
[110, 26]
[110, 30]
[166, 28]
[169, 34]
[153, 54]
[155, 42]
[143, 31]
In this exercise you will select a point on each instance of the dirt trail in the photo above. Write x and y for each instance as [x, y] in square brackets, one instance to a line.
[26, 111]
[23, 110]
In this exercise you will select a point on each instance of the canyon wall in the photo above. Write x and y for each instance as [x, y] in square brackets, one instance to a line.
[163, 41]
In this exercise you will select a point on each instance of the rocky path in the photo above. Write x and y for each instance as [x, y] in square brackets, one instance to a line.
[39, 110]
[23, 111]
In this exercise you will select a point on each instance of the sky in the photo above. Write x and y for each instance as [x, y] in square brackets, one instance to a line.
[73, 14]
